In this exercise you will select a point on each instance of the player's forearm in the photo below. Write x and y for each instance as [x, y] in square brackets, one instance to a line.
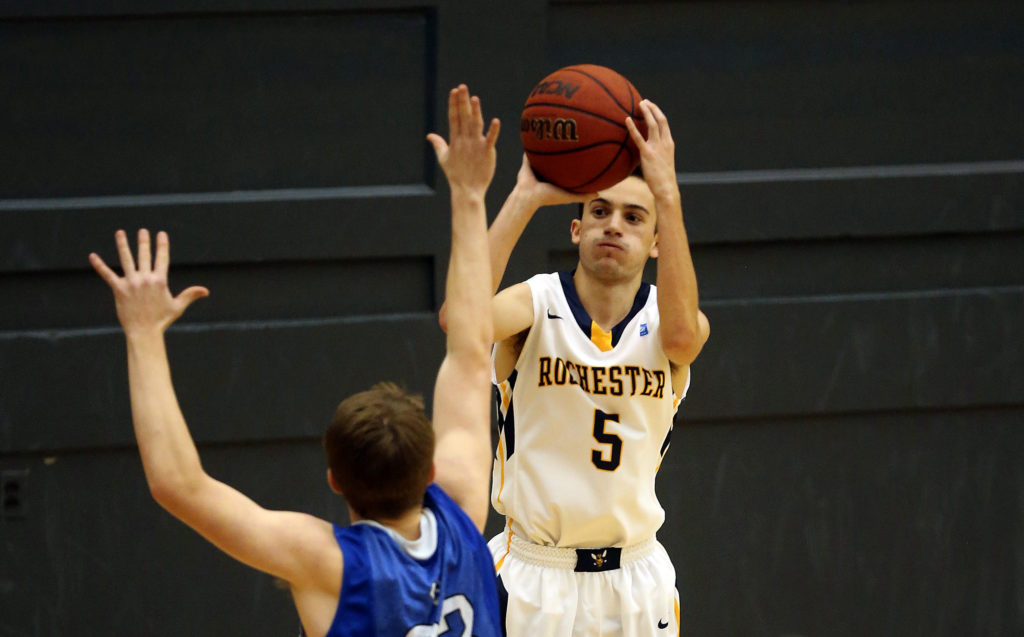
[678, 302]
[168, 453]
[505, 231]
[502, 237]
[468, 286]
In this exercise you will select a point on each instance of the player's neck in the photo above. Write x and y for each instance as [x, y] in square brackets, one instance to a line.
[407, 525]
[606, 302]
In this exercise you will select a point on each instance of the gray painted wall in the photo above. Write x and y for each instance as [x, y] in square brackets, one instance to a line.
[848, 461]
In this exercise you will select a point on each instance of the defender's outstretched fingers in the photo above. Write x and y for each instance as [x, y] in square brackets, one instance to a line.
[440, 146]
[145, 262]
[163, 253]
[477, 127]
[124, 252]
[453, 111]
[103, 270]
[465, 112]
[492, 132]
[190, 295]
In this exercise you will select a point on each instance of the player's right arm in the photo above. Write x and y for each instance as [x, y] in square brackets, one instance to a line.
[512, 309]
[296, 547]
[462, 417]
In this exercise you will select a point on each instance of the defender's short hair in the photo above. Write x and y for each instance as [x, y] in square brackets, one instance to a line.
[380, 448]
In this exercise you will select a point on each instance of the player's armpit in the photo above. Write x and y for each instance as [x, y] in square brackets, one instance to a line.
[512, 309]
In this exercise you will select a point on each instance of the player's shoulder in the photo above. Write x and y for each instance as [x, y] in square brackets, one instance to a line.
[545, 279]
[547, 285]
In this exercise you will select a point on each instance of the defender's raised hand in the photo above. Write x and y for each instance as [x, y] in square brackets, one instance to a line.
[143, 300]
[468, 160]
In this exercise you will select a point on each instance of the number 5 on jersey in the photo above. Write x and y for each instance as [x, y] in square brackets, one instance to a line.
[597, 456]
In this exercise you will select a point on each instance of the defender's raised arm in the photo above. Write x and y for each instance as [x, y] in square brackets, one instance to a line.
[462, 392]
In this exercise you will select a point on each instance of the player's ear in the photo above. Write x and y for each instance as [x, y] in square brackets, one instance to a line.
[574, 231]
[653, 253]
[332, 482]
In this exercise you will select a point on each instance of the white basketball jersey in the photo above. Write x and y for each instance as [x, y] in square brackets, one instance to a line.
[584, 420]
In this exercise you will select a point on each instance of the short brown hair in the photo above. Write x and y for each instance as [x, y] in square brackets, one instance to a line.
[380, 448]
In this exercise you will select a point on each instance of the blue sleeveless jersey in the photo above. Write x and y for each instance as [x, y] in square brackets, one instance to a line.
[385, 592]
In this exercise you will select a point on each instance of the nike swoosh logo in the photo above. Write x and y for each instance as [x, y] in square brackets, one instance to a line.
[552, 316]
[662, 624]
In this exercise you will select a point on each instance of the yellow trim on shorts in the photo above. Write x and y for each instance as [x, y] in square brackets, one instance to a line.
[508, 548]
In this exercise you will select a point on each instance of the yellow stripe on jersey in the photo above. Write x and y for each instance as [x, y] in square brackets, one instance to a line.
[501, 461]
[679, 629]
[601, 338]
[505, 398]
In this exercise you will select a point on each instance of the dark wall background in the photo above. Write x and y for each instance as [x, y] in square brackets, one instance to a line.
[849, 458]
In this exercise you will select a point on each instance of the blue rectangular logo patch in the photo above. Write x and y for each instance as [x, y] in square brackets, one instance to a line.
[643, 329]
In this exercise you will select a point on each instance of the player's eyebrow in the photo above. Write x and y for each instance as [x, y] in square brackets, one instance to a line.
[628, 206]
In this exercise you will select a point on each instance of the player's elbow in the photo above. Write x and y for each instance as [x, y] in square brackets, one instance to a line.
[167, 493]
[172, 492]
[684, 344]
[442, 318]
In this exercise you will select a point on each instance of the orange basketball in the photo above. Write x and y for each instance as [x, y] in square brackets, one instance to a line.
[573, 128]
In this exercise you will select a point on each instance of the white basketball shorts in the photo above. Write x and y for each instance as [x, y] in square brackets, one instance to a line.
[555, 592]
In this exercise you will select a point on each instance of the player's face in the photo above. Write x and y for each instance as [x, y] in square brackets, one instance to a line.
[616, 233]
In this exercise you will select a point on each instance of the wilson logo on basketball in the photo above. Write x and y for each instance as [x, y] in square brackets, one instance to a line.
[557, 129]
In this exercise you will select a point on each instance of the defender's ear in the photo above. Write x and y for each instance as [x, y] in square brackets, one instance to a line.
[332, 482]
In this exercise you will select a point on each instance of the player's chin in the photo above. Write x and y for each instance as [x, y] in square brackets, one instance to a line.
[608, 269]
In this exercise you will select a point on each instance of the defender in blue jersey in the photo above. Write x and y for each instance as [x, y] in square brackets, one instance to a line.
[414, 562]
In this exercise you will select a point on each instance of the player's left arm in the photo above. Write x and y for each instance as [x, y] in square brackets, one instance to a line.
[294, 546]
[684, 328]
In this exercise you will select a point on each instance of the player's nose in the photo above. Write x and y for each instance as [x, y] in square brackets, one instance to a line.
[614, 224]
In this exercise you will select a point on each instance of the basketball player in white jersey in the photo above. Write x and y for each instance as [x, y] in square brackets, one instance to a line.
[590, 366]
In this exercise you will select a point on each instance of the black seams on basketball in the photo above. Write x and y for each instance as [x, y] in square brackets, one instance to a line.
[573, 128]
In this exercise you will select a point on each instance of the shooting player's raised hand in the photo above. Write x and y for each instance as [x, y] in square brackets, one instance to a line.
[657, 151]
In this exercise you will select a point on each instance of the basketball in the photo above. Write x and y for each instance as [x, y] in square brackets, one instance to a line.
[573, 128]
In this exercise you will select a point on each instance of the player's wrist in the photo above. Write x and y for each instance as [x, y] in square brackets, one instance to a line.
[523, 201]
[141, 338]
[468, 193]
[666, 192]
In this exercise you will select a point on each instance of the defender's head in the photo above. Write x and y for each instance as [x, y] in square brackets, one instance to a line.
[380, 451]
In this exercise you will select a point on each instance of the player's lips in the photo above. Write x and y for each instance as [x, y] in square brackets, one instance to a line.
[610, 244]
